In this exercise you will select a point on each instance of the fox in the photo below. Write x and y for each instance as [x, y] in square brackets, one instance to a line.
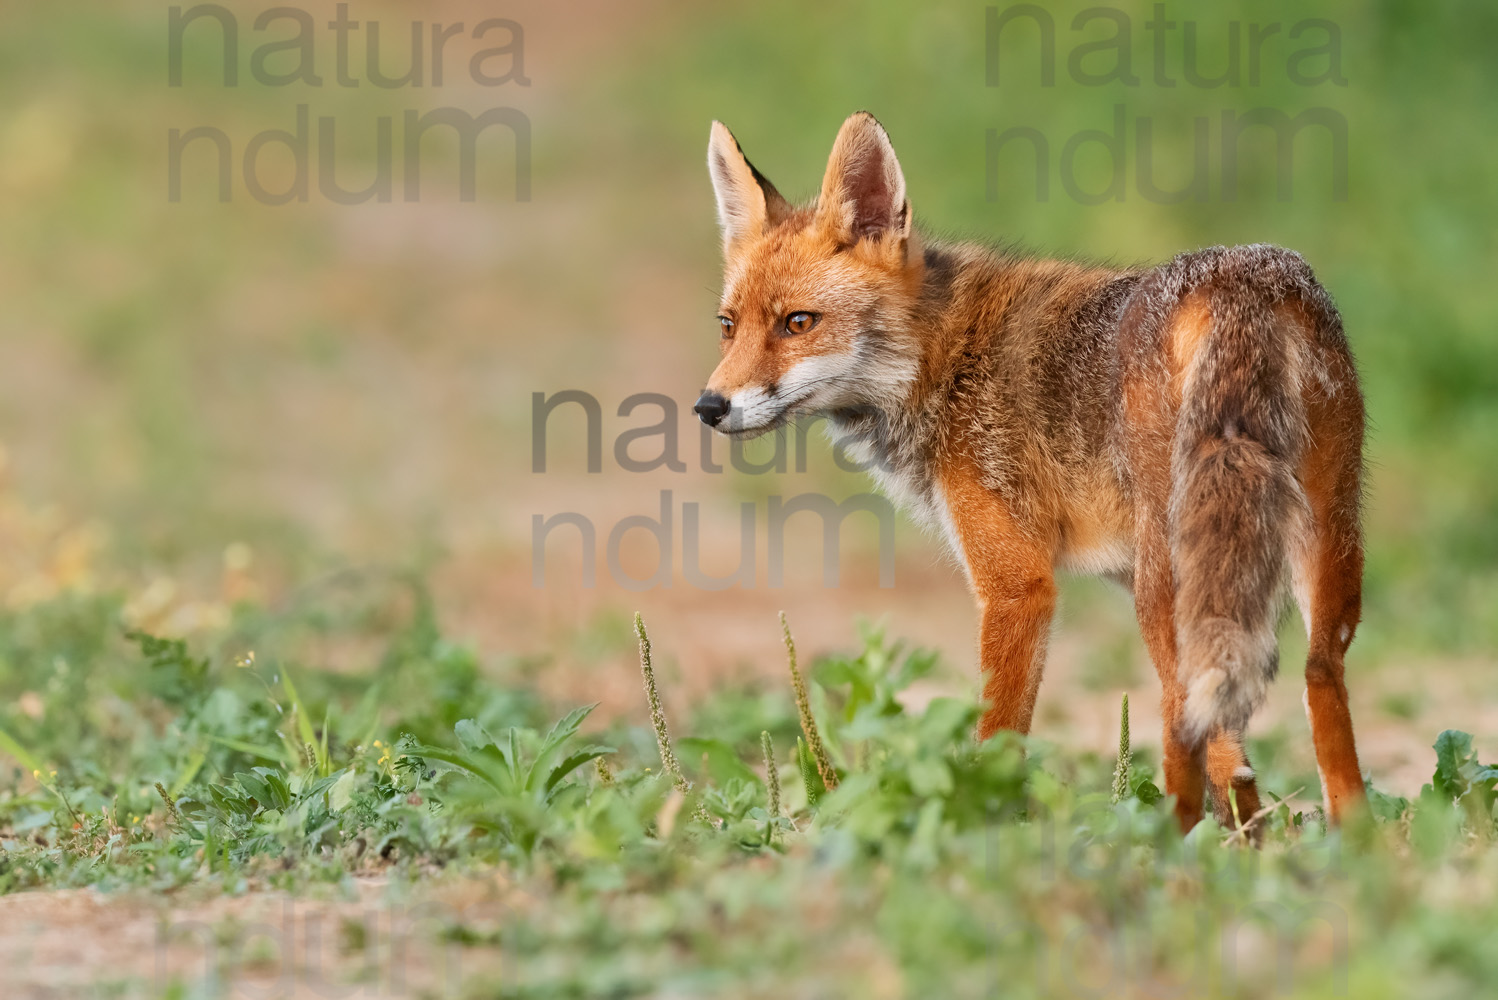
[1192, 430]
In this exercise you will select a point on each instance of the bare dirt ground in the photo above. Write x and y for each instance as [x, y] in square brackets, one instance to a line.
[370, 940]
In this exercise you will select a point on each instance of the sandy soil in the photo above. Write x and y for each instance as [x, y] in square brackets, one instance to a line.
[370, 941]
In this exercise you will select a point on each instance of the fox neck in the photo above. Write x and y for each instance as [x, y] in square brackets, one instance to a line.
[895, 425]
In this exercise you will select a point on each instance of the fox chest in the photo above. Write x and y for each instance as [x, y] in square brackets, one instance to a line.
[1090, 531]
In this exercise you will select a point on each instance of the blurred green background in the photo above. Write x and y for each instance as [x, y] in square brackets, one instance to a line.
[328, 384]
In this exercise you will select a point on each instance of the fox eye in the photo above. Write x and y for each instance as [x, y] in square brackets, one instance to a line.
[727, 325]
[800, 322]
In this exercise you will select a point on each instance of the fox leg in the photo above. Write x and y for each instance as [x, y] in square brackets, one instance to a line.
[1230, 778]
[1017, 611]
[1150, 417]
[1328, 576]
[1334, 607]
[1154, 605]
[1011, 577]
[1221, 763]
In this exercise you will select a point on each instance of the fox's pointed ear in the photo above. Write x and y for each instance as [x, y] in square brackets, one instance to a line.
[747, 202]
[863, 192]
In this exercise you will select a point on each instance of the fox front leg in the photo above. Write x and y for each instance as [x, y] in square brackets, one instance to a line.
[1011, 576]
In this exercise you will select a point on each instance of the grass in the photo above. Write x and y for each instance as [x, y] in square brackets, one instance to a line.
[928, 865]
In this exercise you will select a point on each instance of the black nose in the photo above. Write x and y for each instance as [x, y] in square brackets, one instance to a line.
[711, 407]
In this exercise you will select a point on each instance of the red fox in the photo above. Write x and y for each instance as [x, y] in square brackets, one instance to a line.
[1193, 430]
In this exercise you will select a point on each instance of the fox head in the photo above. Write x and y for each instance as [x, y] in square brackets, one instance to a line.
[816, 299]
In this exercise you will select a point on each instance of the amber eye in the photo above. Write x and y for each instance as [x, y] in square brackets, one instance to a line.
[727, 325]
[800, 322]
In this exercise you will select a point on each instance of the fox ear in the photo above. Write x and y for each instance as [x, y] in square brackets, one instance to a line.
[747, 202]
[863, 192]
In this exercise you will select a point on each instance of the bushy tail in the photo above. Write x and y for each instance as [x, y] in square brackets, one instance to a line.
[1234, 501]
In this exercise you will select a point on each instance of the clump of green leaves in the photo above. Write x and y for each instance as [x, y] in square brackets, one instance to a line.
[507, 785]
[173, 674]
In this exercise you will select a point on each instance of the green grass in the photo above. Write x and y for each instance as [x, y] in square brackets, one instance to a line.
[944, 866]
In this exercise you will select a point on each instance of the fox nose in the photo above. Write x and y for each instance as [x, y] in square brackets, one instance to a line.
[711, 407]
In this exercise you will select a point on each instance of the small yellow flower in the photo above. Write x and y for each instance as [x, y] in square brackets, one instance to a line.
[245, 660]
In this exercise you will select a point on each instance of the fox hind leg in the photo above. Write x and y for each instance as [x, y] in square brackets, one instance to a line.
[1217, 769]
[1230, 779]
[1148, 452]
[1328, 574]
[1154, 605]
[1192, 772]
